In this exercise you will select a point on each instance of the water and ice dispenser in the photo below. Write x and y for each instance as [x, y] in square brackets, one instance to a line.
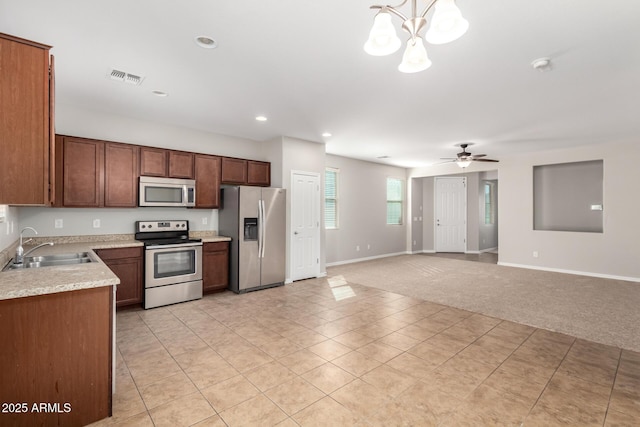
[250, 229]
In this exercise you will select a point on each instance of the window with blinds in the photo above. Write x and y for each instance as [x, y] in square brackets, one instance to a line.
[394, 201]
[331, 198]
[489, 216]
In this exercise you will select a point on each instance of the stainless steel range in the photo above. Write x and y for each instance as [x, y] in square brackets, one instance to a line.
[173, 262]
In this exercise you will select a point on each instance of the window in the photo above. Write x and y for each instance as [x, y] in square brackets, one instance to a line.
[331, 198]
[489, 203]
[394, 201]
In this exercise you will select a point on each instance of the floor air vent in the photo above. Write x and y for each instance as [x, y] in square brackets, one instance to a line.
[123, 76]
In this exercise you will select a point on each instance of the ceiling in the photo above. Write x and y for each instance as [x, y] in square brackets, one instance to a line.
[301, 64]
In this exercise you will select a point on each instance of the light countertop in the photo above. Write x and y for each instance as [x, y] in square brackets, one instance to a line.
[47, 280]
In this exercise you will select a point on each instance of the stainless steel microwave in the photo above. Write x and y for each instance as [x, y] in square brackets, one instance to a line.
[168, 192]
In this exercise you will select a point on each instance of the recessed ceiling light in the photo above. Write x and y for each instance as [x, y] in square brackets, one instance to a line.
[326, 134]
[542, 64]
[261, 118]
[159, 93]
[206, 42]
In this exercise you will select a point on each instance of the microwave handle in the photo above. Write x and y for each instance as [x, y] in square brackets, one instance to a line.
[185, 195]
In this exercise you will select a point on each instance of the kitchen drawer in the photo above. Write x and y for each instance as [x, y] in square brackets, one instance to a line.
[120, 253]
[215, 246]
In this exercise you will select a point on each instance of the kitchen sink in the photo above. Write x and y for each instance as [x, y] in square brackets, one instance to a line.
[51, 260]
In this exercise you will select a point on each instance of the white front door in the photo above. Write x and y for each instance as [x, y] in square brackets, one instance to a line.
[305, 225]
[451, 215]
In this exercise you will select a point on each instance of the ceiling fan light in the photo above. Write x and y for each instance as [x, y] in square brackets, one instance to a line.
[463, 163]
[382, 38]
[415, 57]
[447, 23]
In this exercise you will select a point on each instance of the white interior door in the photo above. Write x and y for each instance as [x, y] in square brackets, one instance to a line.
[305, 225]
[451, 214]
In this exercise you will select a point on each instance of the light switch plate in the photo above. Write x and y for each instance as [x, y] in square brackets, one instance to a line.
[596, 207]
[58, 223]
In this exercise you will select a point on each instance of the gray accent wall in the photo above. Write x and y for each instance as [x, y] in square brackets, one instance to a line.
[362, 189]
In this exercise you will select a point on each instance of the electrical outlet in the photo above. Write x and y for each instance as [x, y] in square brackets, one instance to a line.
[12, 224]
[368, 247]
[205, 220]
[535, 254]
[358, 248]
[96, 223]
[58, 223]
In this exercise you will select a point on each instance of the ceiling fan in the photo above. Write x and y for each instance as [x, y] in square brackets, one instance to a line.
[465, 158]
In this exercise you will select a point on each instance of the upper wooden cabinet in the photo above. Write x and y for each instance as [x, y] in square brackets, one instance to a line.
[82, 169]
[93, 173]
[245, 172]
[207, 173]
[154, 161]
[166, 163]
[121, 175]
[258, 173]
[234, 171]
[180, 164]
[26, 120]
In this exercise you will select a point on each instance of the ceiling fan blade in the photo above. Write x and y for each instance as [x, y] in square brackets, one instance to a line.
[485, 160]
[448, 158]
[473, 156]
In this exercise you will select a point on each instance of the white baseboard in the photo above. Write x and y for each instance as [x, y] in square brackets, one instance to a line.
[579, 273]
[489, 250]
[428, 251]
[351, 261]
[473, 252]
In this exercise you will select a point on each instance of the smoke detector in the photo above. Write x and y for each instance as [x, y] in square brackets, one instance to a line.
[542, 64]
[123, 76]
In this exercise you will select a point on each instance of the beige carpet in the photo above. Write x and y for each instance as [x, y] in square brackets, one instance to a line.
[601, 310]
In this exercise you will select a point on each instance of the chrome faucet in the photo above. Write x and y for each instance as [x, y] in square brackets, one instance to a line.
[20, 254]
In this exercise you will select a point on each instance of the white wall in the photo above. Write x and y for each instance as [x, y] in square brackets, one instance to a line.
[613, 253]
[7, 236]
[110, 127]
[304, 156]
[362, 211]
[79, 222]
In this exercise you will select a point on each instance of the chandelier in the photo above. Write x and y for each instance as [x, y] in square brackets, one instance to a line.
[447, 25]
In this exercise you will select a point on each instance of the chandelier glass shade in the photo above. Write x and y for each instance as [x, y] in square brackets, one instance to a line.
[447, 24]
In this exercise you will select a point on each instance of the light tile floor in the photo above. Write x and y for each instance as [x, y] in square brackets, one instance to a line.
[323, 352]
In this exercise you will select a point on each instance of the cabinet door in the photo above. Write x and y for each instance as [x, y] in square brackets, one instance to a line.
[258, 173]
[180, 164]
[82, 172]
[215, 266]
[24, 120]
[153, 161]
[126, 263]
[234, 171]
[120, 175]
[207, 172]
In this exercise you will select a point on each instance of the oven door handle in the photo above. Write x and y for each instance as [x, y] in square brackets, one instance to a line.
[178, 245]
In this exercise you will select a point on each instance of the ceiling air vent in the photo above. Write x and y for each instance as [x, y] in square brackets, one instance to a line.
[123, 76]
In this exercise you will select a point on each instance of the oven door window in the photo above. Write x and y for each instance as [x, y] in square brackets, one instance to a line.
[163, 194]
[174, 263]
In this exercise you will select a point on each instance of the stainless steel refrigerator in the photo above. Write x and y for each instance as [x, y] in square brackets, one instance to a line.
[255, 219]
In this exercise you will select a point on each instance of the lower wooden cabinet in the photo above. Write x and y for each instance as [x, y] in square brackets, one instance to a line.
[56, 352]
[127, 264]
[215, 266]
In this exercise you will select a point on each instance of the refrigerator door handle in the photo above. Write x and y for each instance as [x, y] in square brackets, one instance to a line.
[260, 228]
[263, 233]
